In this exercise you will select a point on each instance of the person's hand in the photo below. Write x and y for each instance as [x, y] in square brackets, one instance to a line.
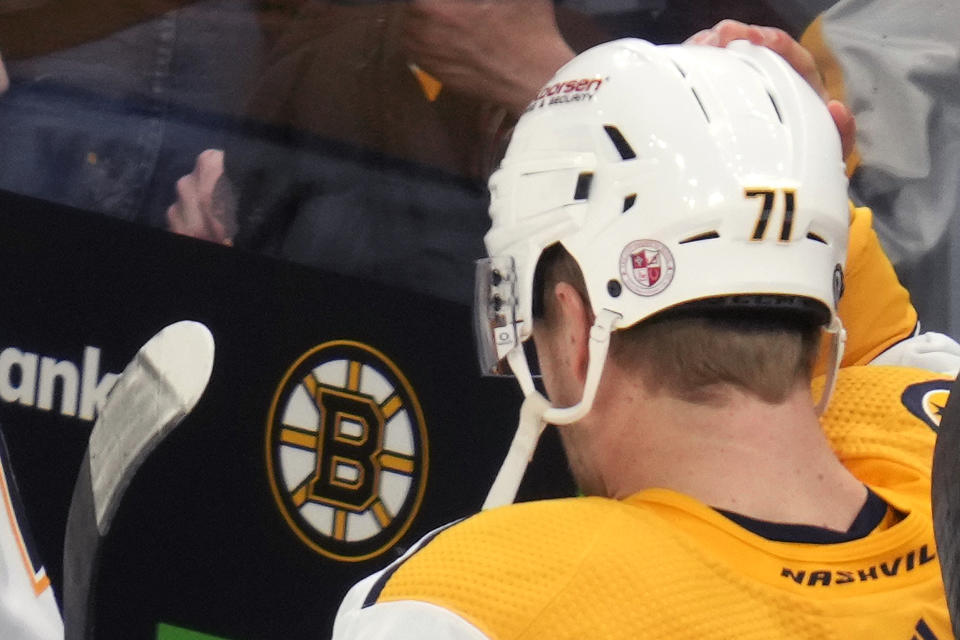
[726, 31]
[4, 79]
[501, 51]
[205, 206]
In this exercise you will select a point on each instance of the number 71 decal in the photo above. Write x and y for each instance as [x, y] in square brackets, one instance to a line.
[769, 195]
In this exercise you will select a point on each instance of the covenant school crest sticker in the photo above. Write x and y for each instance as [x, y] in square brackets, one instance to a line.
[346, 451]
[646, 267]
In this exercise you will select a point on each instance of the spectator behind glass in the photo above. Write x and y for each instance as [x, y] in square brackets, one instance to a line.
[472, 49]
[109, 103]
[360, 164]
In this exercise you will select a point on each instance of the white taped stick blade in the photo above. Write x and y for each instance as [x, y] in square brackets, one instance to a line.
[159, 387]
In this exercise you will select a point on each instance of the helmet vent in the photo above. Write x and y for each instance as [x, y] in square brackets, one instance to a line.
[776, 108]
[699, 102]
[708, 235]
[816, 238]
[582, 191]
[629, 201]
[623, 147]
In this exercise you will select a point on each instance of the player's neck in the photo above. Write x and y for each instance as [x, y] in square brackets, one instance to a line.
[770, 462]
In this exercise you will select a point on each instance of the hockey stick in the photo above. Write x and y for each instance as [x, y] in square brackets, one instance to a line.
[154, 393]
[945, 494]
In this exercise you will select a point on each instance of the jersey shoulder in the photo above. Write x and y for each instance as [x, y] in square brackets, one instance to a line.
[537, 540]
[658, 564]
[498, 569]
[882, 423]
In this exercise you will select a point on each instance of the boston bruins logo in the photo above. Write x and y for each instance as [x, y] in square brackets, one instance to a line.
[346, 451]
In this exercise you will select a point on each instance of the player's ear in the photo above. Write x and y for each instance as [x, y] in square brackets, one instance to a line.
[575, 319]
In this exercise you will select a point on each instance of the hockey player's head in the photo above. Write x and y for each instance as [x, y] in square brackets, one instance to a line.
[677, 180]
[691, 352]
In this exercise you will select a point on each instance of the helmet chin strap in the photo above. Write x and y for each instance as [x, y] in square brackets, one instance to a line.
[838, 341]
[536, 411]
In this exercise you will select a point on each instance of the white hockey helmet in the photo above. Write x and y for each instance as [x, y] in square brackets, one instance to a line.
[672, 175]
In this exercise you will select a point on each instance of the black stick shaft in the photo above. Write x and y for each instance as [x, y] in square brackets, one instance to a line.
[946, 502]
[81, 556]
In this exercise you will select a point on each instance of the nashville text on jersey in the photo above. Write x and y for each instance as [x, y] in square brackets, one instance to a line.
[889, 569]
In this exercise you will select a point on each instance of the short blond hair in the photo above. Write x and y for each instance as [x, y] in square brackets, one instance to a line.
[692, 353]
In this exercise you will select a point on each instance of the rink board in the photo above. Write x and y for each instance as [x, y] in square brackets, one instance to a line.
[252, 518]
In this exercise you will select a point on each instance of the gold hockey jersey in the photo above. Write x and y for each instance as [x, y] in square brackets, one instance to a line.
[663, 565]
